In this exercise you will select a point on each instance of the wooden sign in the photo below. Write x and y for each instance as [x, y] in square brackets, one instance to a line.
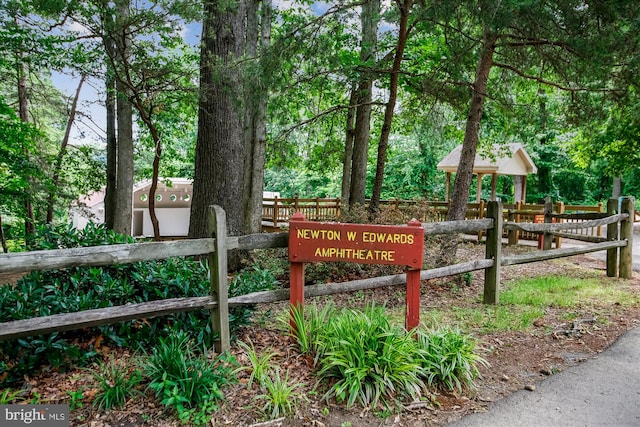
[360, 243]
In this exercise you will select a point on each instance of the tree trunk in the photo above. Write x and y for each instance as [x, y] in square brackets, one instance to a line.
[464, 173]
[462, 183]
[55, 181]
[545, 185]
[369, 19]
[383, 142]
[112, 141]
[219, 156]
[23, 111]
[124, 177]
[348, 148]
[256, 118]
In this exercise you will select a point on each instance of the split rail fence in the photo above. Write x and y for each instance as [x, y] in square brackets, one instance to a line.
[618, 245]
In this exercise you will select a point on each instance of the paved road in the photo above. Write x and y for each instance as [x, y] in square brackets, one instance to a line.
[604, 391]
[600, 392]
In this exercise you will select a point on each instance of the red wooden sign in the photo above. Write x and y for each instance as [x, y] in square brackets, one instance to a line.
[361, 243]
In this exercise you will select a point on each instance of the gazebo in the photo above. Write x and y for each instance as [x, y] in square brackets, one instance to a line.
[507, 159]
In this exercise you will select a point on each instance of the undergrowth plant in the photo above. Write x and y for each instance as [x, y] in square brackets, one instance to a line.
[43, 293]
[309, 322]
[116, 384]
[185, 380]
[280, 397]
[259, 363]
[369, 360]
[448, 358]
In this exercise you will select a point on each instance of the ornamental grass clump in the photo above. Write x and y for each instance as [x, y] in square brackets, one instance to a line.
[370, 361]
[448, 358]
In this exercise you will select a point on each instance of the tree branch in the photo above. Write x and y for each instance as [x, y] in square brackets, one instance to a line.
[549, 82]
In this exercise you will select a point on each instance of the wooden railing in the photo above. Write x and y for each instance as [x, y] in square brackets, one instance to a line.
[276, 213]
[217, 247]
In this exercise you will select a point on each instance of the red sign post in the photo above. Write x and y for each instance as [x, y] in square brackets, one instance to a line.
[360, 243]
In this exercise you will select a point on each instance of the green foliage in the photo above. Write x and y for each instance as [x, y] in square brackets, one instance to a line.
[185, 380]
[309, 322]
[75, 399]
[248, 281]
[116, 384]
[8, 396]
[260, 364]
[43, 293]
[280, 397]
[371, 361]
[448, 358]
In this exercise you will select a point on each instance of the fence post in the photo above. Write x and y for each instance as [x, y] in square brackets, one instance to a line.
[612, 234]
[626, 233]
[548, 210]
[296, 278]
[275, 211]
[217, 222]
[511, 233]
[560, 210]
[493, 251]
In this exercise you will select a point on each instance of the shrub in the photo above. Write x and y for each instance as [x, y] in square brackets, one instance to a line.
[279, 397]
[116, 384]
[371, 361]
[448, 358]
[185, 380]
[43, 293]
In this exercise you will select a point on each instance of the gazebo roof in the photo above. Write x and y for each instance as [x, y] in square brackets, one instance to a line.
[508, 159]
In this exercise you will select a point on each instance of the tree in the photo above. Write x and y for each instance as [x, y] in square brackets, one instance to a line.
[404, 7]
[220, 150]
[369, 21]
[256, 95]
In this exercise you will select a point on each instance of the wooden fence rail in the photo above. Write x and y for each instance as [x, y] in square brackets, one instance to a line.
[218, 245]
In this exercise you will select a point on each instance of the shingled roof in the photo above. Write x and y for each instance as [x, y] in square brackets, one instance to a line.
[508, 159]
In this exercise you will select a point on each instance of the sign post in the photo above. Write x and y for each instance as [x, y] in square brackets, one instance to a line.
[360, 243]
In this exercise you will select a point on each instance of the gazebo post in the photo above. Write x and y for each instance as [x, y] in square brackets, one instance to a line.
[447, 187]
[479, 190]
[524, 188]
[494, 182]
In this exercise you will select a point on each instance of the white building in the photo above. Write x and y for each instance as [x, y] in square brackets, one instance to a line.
[172, 208]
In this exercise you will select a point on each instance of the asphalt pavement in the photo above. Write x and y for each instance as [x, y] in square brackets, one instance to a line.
[603, 391]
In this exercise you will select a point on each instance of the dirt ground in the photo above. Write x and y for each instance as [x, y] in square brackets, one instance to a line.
[518, 360]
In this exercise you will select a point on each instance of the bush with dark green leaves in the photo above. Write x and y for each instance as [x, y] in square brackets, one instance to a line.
[44, 293]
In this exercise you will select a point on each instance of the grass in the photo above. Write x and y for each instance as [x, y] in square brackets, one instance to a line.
[559, 291]
[525, 300]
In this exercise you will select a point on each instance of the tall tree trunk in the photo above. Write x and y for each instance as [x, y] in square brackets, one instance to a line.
[23, 111]
[154, 179]
[124, 177]
[383, 142]
[256, 117]
[348, 148]
[110, 211]
[369, 18]
[219, 157]
[545, 185]
[462, 183]
[55, 181]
